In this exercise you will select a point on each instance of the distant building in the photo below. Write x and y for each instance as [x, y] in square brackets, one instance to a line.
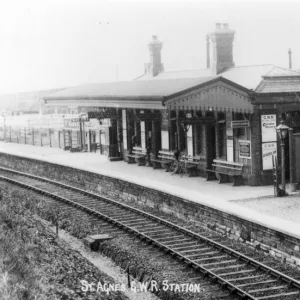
[24, 102]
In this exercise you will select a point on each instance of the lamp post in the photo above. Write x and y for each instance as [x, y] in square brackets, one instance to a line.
[282, 131]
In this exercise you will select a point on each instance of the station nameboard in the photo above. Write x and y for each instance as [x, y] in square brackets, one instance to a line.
[75, 120]
[240, 124]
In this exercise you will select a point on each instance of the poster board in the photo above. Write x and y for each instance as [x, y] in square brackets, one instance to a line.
[268, 149]
[244, 149]
[143, 135]
[189, 137]
[268, 128]
[229, 149]
[165, 139]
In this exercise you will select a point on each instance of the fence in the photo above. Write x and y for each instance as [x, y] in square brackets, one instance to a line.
[45, 137]
[65, 139]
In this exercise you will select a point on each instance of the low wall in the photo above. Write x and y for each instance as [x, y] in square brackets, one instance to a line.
[276, 243]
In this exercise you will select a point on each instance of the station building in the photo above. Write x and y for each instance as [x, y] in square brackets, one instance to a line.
[223, 112]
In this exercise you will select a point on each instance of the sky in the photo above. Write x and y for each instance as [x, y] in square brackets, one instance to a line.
[51, 44]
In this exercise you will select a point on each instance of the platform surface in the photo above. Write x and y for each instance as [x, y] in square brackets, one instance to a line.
[256, 204]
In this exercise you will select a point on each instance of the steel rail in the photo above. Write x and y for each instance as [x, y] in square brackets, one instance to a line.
[198, 267]
[142, 236]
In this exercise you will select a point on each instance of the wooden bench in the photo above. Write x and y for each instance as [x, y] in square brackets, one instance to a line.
[164, 160]
[189, 164]
[226, 169]
[138, 156]
[74, 149]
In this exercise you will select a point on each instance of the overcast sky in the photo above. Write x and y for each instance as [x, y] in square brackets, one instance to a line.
[49, 44]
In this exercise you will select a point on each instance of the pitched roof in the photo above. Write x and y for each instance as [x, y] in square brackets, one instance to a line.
[129, 89]
[279, 84]
[247, 76]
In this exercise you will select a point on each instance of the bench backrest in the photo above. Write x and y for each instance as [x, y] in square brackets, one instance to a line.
[166, 155]
[227, 166]
[139, 150]
[190, 159]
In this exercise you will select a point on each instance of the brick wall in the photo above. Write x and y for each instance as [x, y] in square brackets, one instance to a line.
[271, 241]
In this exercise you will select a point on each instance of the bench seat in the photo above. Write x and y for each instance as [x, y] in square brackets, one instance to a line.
[189, 165]
[138, 156]
[163, 160]
[225, 170]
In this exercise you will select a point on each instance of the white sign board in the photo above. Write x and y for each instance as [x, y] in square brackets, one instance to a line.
[93, 124]
[106, 135]
[229, 150]
[268, 128]
[190, 141]
[143, 134]
[268, 149]
[245, 149]
[124, 125]
[165, 140]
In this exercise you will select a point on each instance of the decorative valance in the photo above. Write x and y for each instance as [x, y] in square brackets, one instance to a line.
[214, 98]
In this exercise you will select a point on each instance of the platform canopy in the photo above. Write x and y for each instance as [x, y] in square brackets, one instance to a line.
[126, 94]
[216, 95]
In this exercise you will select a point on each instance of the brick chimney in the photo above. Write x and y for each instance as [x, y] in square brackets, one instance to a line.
[222, 40]
[155, 66]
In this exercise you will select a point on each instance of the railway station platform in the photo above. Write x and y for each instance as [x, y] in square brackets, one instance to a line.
[255, 204]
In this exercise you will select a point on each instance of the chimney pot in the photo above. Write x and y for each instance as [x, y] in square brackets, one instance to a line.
[222, 45]
[155, 66]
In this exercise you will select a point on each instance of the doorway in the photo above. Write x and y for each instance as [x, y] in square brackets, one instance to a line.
[211, 144]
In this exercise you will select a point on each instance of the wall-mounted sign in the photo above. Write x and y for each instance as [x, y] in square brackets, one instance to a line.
[165, 140]
[75, 120]
[103, 114]
[143, 135]
[244, 149]
[190, 141]
[165, 121]
[268, 149]
[229, 152]
[146, 117]
[268, 128]
[93, 124]
[240, 124]
[229, 132]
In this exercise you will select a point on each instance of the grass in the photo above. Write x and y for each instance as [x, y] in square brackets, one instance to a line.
[34, 263]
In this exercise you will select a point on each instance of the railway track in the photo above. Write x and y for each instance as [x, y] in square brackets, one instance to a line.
[234, 271]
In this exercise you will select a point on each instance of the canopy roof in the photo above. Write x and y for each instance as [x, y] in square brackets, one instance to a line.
[279, 84]
[141, 90]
